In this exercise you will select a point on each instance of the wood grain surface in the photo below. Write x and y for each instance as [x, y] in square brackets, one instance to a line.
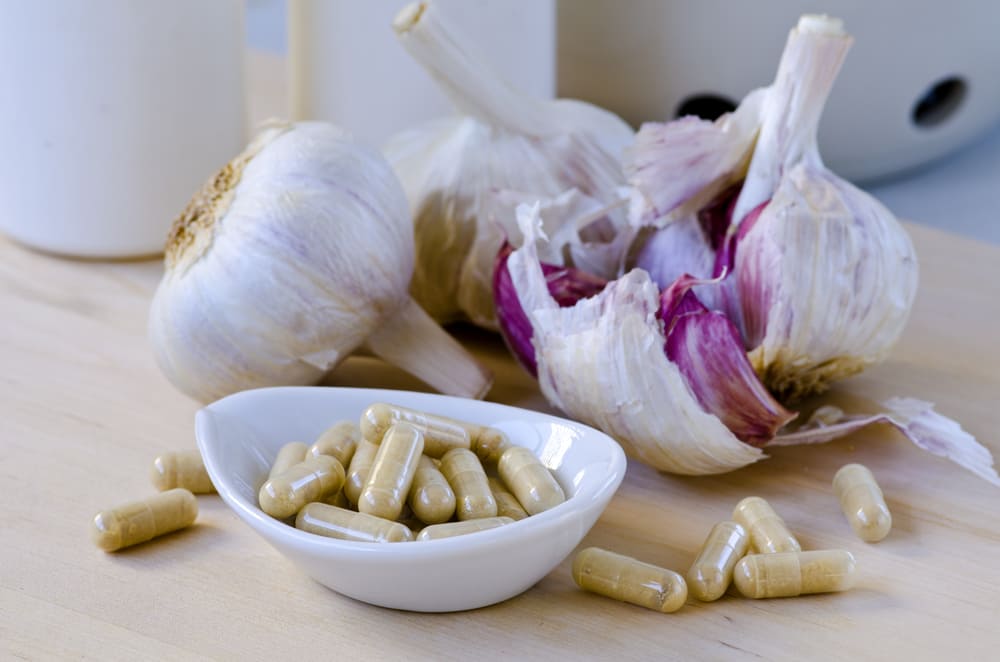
[83, 411]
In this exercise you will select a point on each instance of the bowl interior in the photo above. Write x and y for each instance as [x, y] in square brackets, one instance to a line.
[239, 437]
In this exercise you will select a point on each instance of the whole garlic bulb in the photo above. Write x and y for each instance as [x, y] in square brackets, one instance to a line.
[295, 254]
[503, 140]
[823, 275]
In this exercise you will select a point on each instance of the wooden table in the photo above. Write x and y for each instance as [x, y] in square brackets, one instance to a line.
[83, 410]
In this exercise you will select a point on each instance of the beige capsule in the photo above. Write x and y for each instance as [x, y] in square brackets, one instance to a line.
[441, 433]
[431, 498]
[712, 571]
[288, 456]
[473, 499]
[452, 529]
[862, 501]
[139, 521]
[357, 473]
[768, 532]
[392, 472]
[313, 479]
[507, 503]
[489, 444]
[181, 469]
[333, 522]
[788, 574]
[624, 578]
[530, 481]
[339, 441]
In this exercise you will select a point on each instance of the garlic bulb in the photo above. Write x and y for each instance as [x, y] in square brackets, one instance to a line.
[823, 276]
[451, 168]
[295, 254]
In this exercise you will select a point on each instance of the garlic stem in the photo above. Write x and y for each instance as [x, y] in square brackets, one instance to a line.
[813, 55]
[464, 77]
[411, 340]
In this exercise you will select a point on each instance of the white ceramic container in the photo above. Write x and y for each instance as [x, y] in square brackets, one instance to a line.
[113, 114]
[240, 435]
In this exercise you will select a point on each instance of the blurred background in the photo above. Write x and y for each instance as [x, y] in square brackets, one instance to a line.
[175, 89]
[953, 184]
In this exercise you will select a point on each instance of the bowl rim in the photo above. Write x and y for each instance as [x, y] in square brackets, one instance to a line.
[591, 496]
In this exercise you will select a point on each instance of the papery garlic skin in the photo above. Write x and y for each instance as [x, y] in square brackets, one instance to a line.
[289, 259]
[825, 278]
[451, 168]
[602, 361]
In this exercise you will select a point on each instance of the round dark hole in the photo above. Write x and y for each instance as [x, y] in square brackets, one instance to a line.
[705, 106]
[939, 102]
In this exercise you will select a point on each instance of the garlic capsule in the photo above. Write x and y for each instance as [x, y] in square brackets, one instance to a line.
[503, 139]
[295, 254]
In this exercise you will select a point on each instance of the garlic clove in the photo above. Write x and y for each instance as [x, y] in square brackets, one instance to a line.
[289, 259]
[708, 351]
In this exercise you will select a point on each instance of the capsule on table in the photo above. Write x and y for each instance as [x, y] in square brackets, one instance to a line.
[357, 473]
[288, 456]
[339, 441]
[507, 503]
[452, 529]
[862, 501]
[473, 499]
[712, 572]
[139, 521]
[181, 469]
[441, 433]
[333, 522]
[489, 444]
[768, 533]
[431, 498]
[313, 479]
[391, 475]
[529, 480]
[624, 578]
[788, 574]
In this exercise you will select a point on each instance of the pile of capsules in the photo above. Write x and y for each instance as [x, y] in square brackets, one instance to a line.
[777, 568]
[406, 471]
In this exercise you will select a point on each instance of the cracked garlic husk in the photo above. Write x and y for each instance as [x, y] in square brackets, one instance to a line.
[296, 253]
[503, 140]
[658, 358]
[664, 375]
[822, 275]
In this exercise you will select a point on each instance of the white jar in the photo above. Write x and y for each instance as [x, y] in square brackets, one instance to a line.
[920, 80]
[114, 113]
[348, 68]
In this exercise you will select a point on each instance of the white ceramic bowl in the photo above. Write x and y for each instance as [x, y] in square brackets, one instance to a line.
[240, 435]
